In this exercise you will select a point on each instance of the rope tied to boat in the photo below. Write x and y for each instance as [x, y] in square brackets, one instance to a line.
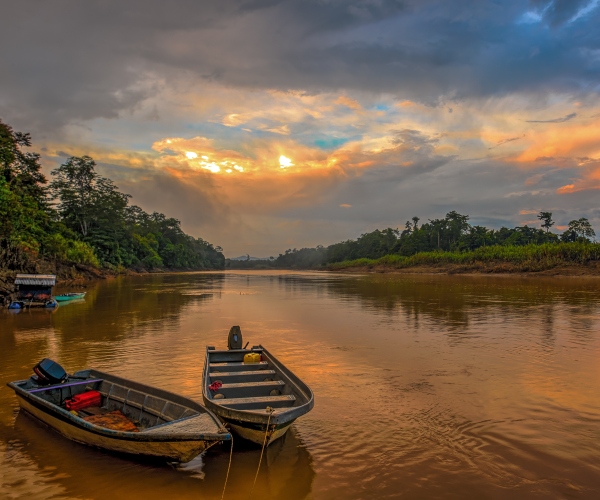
[228, 467]
[270, 411]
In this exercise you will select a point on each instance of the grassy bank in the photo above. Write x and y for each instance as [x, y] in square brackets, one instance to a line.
[498, 258]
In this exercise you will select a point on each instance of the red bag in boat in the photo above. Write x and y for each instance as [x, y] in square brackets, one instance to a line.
[84, 400]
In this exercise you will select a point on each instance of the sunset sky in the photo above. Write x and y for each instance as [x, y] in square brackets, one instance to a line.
[265, 125]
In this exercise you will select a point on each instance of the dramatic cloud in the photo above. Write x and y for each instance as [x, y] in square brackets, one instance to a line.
[268, 124]
[555, 120]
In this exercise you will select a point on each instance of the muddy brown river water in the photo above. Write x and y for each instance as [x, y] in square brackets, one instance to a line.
[449, 387]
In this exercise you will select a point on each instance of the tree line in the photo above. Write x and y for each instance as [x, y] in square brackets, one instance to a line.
[81, 217]
[453, 233]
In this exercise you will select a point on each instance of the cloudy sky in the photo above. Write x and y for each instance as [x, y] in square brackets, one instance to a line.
[270, 124]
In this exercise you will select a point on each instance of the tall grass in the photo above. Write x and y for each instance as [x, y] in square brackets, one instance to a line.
[519, 258]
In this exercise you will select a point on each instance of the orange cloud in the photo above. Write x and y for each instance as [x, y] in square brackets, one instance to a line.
[533, 180]
[569, 188]
[563, 139]
[350, 103]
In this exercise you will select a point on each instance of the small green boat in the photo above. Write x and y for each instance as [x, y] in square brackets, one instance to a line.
[69, 296]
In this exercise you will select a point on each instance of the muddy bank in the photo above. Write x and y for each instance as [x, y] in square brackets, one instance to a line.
[588, 270]
[73, 275]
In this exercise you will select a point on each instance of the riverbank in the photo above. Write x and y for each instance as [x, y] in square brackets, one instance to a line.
[76, 275]
[500, 269]
[563, 259]
[73, 275]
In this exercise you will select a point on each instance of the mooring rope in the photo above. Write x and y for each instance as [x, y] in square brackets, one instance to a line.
[270, 410]
[228, 466]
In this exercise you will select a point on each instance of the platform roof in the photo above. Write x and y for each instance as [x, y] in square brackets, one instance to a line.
[36, 279]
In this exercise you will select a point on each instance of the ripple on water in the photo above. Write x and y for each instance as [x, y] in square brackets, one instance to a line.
[425, 387]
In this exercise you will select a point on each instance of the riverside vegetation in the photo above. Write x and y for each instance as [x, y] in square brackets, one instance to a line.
[452, 244]
[80, 223]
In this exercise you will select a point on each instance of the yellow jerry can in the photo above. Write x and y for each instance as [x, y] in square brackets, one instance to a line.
[251, 357]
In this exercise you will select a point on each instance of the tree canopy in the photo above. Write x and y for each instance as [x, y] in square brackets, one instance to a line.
[453, 233]
[82, 217]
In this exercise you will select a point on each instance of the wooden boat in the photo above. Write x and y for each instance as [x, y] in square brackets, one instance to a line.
[133, 418]
[69, 296]
[257, 401]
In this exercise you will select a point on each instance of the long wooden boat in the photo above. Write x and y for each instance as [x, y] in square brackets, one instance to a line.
[258, 400]
[69, 296]
[156, 423]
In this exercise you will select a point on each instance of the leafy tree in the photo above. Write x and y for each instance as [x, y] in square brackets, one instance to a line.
[477, 236]
[546, 218]
[415, 222]
[579, 230]
[24, 211]
[74, 185]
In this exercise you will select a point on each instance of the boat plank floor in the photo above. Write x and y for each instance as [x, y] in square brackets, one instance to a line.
[238, 366]
[255, 373]
[261, 399]
[242, 385]
[199, 424]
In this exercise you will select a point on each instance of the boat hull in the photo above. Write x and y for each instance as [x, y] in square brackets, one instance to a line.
[256, 434]
[176, 450]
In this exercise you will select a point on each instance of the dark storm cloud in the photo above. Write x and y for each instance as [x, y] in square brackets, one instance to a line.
[71, 61]
[192, 202]
[562, 119]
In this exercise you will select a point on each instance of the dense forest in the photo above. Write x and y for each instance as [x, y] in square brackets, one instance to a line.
[81, 218]
[451, 239]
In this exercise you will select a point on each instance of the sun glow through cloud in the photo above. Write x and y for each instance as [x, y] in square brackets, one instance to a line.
[333, 150]
[285, 162]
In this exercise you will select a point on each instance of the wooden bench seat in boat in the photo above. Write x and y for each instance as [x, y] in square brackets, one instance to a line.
[238, 366]
[243, 376]
[252, 389]
[259, 403]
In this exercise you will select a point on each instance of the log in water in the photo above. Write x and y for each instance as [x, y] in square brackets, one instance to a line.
[425, 386]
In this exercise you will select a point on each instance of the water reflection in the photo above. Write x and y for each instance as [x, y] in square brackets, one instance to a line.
[425, 386]
[453, 300]
[46, 465]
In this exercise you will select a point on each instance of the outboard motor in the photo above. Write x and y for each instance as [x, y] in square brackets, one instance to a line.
[234, 341]
[49, 372]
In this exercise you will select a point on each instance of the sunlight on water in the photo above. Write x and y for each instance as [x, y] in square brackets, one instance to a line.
[425, 386]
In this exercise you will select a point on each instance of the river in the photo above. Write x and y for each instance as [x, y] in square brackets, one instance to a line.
[425, 386]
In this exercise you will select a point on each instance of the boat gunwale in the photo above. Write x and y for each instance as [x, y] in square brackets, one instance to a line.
[281, 417]
[141, 436]
[64, 297]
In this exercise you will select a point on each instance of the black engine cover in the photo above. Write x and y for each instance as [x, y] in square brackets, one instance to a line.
[50, 371]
